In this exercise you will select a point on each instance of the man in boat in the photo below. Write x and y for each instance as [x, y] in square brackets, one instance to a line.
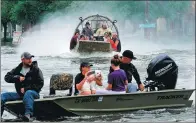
[85, 67]
[28, 80]
[87, 31]
[101, 31]
[74, 40]
[130, 70]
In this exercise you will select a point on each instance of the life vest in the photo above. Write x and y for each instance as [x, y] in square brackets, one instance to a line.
[113, 45]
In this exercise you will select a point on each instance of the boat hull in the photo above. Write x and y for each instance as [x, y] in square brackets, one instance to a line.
[93, 46]
[104, 104]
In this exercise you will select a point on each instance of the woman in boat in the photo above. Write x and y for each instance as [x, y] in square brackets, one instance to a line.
[107, 38]
[115, 42]
[117, 80]
[87, 85]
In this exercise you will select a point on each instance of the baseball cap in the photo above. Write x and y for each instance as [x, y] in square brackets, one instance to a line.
[85, 64]
[26, 55]
[129, 54]
[87, 23]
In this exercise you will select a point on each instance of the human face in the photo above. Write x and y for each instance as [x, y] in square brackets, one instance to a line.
[104, 27]
[106, 35]
[27, 62]
[114, 36]
[77, 34]
[86, 69]
[126, 60]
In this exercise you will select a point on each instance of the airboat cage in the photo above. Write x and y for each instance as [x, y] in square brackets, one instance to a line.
[96, 22]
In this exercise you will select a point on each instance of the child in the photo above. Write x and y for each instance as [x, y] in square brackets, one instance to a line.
[117, 80]
[87, 86]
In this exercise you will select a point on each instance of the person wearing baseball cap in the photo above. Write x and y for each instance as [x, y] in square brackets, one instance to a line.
[130, 70]
[85, 67]
[28, 80]
[87, 31]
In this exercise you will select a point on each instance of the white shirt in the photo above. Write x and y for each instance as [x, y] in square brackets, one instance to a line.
[88, 86]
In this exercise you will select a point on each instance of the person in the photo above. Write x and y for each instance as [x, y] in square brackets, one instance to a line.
[115, 42]
[130, 70]
[74, 40]
[117, 80]
[28, 80]
[101, 31]
[85, 67]
[87, 31]
[82, 37]
[106, 37]
[87, 85]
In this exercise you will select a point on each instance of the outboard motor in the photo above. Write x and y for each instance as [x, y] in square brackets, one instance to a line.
[162, 73]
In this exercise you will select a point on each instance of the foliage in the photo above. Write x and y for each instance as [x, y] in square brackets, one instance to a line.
[30, 11]
[6, 5]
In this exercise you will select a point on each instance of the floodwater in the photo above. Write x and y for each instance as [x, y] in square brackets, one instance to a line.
[50, 45]
[182, 52]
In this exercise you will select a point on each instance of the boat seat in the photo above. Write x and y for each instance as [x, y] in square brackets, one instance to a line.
[60, 81]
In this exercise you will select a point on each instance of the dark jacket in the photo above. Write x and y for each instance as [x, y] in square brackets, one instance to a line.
[130, 70]
[87, 32]
[73, 42]
[33, 80]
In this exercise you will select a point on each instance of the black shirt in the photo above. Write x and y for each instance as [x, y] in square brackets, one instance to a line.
[130, 70]
[79, 77]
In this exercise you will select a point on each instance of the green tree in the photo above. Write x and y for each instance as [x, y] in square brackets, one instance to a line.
[6, 5]
[30, 12]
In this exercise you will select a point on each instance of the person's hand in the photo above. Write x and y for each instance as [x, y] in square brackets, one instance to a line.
[22, 90]
[22, 78]
[141, 87]
[86, 75]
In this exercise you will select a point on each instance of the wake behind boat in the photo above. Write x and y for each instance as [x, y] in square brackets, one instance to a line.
[160, 92]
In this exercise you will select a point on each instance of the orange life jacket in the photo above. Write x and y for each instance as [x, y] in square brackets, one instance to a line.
[113, 45]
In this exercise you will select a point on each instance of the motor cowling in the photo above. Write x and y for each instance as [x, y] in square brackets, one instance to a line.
[162, 70]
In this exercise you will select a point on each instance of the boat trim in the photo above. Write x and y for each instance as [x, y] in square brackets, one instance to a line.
[125, 109]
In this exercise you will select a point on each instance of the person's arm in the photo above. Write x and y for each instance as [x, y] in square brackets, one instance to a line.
[11, 78]
[116, 43]
[79, 85]
[37, 86]
[109, 87]
[110, 82]
[125, 79]
[137, 77]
